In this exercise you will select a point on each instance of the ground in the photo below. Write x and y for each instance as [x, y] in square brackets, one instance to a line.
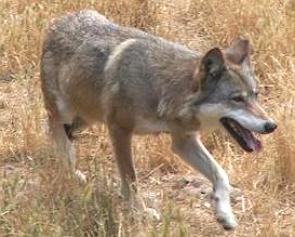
[35, 201]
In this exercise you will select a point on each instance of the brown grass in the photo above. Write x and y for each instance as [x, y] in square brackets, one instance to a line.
[34, 203]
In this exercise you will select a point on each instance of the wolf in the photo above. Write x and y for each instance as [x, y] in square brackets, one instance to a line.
[93, 70]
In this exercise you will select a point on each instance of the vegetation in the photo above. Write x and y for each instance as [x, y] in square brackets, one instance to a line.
[35, 202]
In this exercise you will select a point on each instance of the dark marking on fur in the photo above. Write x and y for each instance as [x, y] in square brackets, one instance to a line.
[69, 131]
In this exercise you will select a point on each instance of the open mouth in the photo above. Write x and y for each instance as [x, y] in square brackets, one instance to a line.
[243, 136]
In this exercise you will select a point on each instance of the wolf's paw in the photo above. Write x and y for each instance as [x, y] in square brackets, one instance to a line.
[81, 177]
[153, 214]
[138, 205]
[147, 213]
[228, 221]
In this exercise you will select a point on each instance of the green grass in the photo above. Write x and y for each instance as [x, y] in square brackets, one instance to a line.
[36, 201]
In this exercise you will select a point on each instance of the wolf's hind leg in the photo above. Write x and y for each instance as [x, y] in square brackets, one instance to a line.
[58, 112]
[65, 148]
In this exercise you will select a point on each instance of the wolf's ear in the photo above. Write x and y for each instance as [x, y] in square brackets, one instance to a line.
[238, 51]
[211, 67]
[213, 62]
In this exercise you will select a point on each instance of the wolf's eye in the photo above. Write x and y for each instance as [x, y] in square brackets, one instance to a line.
[256, 93]
[238, 98]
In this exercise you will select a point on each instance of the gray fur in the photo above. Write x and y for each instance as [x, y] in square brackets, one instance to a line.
[94, 70]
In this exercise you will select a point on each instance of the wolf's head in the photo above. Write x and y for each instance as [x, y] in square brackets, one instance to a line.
[227, 95]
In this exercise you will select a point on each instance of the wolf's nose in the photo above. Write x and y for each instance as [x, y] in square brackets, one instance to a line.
[269, 127]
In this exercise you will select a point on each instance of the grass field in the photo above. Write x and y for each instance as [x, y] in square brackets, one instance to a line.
[33, 201]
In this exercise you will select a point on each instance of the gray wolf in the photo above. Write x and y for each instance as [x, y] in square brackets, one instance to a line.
[93, 70]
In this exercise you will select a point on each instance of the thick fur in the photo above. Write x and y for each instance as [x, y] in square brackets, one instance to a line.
[94, 70]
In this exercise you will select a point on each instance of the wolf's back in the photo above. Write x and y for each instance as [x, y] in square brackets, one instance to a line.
[67, 33]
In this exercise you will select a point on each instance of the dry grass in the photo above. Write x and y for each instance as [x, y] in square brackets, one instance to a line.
[34, 203]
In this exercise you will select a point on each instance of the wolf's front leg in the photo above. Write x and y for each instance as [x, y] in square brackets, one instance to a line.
[121, 140]
[192, 151]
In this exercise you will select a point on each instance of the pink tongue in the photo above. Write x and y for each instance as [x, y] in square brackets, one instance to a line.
[253, 143]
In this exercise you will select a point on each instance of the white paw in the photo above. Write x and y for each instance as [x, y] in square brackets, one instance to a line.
[227, 220]
[81, 177]
[153, 214]
[224, 213]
